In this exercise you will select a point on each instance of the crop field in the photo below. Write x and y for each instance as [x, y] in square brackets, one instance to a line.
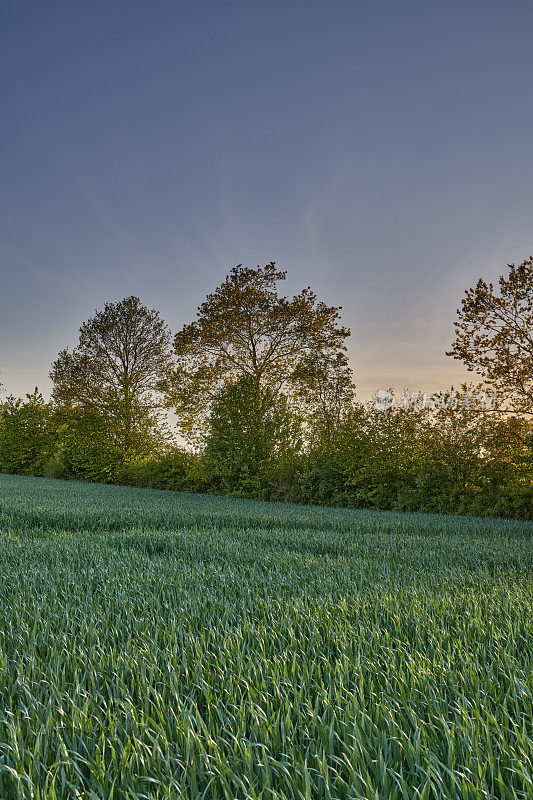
[165, 645]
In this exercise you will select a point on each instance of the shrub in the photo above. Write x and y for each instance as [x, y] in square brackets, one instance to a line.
[177, 469]
[28, 435]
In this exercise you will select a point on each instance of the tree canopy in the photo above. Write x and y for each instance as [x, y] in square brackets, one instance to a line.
[494, 335]
[244, 328]
[122, 354]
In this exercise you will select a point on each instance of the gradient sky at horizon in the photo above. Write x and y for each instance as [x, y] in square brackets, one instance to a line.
[380, 152]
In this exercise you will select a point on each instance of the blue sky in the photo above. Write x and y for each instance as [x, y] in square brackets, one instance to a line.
[381, 152]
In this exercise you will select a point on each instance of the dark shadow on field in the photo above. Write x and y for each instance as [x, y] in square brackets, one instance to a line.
[45, 521]
[148, 537]
[367, 521]
[371, 553]
[188, 537]
[202, 550]
[261, 550]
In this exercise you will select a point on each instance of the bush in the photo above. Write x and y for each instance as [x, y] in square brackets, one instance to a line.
[28, 435]
[178, 470]
[88, 450]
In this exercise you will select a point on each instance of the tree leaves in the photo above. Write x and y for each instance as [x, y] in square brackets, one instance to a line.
[245, 328]
[122, 354]
[494, 335]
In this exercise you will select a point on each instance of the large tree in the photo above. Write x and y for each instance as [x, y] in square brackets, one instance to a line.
[244, 328]
[122, 354]
[494, 335]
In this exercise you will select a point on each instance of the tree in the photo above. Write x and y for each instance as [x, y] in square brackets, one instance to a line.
[494, 335]
[250, 434]
[245, 328]
[122, 354]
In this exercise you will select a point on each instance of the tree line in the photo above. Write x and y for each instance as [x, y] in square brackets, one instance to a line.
[264, 397]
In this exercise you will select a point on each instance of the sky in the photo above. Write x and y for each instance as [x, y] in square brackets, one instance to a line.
[380, 152]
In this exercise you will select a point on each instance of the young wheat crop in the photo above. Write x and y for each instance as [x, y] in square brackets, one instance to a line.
[163, 645]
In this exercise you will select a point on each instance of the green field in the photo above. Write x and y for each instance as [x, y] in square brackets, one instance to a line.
[163, 645]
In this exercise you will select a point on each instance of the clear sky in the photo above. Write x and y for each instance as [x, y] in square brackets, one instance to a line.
[381, 152]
